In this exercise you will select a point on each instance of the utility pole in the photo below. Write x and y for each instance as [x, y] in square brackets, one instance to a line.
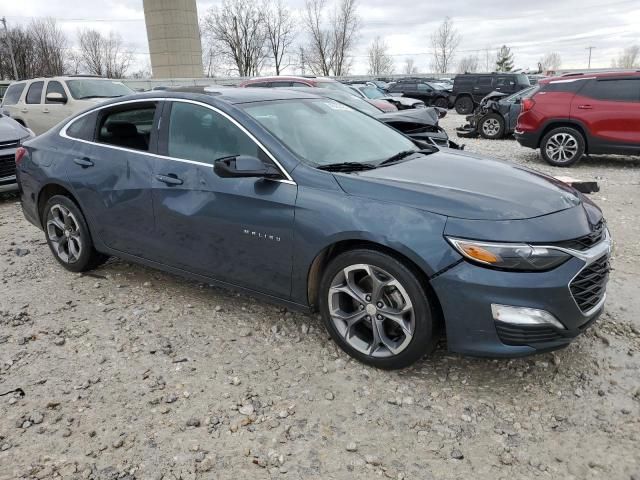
[590, 49]
[10, 45]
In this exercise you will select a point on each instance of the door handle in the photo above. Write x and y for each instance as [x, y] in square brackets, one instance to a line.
[45, 110]
[585, 107]
[171, 179]
[83, 162]
[24, 110]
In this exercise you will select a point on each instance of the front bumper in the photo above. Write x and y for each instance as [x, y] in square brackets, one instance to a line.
[466, 293]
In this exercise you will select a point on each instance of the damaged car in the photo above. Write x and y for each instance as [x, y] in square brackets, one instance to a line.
[370, 93]
[418, 123]
[496, 116]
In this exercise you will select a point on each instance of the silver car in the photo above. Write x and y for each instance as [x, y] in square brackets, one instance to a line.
[12, 135]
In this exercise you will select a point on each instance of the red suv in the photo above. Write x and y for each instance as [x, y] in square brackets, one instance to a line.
[582, 114]
[317, 82]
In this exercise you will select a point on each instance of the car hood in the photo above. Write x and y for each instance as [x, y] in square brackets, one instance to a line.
[461, 185]
[11, 130]
[427, 116]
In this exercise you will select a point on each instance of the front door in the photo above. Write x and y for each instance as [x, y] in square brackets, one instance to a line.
[237, 230]
[111, 174]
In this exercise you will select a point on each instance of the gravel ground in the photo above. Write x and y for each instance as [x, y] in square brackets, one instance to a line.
[130, 373]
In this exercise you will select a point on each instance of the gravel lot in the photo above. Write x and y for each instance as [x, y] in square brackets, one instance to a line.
[132, 373]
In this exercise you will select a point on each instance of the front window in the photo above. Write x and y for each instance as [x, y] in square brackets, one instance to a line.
[90, 88]
[305, 125]
[203, 135]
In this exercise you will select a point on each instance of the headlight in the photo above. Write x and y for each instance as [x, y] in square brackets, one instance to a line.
[509, 256]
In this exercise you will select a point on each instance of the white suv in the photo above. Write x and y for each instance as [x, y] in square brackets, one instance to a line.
[41, 103]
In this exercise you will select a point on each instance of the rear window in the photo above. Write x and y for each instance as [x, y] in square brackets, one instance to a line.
[522, 80]
[13, 93]
[570, 86]
[618, 90]
[34, 94]
[485, 81]
[84, 127]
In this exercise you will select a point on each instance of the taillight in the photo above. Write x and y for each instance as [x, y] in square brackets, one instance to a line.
[527, 104]
[20, 153]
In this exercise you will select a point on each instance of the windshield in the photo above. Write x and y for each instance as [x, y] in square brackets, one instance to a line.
[351, 100]
[372, 92]
[527, 92]
[88, 88]
[523, 79]
[323, 131]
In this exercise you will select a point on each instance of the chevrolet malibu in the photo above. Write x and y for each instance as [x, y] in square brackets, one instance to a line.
[307, 202]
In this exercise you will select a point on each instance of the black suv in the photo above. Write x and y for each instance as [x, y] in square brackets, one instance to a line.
[430, 93]
[470, 88]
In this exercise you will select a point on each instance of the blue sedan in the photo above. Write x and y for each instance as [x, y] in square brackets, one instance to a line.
[306, 202]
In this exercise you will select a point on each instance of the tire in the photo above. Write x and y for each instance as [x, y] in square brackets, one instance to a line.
[562, 147]
[441, 103]
[464, 105]
[491, 126]
[403, 320]
[68, 235]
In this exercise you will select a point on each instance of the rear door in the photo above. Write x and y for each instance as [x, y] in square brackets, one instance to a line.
[237, 230]
[483, 86]
[610, 109]
[111, 174]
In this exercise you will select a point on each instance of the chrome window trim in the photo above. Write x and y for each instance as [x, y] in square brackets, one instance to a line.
[63, 133]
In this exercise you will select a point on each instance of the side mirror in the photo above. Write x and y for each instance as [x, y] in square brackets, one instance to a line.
[55, 97]
[244, 166]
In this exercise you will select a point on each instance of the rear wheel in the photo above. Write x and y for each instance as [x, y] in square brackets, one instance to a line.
[68, 235]
[464, 105]
[376, 310]
[441, 103]
[491, 126]
[562, 147]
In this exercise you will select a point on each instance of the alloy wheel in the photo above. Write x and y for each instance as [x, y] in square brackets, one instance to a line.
[63, 231]
[491, 127]
[371, 310]
[562, 147]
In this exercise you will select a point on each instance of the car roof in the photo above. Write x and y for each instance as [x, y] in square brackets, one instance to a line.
[308, 79]
[227, 94]
[589, 75]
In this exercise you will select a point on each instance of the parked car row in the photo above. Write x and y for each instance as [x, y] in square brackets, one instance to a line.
[308, 202]
[566, 117]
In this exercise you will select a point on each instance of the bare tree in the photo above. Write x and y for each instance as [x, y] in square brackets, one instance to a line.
[280, 31]
[328, 50]
[91, 51]
[380, 63]
[238, 27]
[468, 64]
[629, 58]
[410, 67]
[444, 43]
[550, 62]
[24, 53]
[49, 44]
[101, 55]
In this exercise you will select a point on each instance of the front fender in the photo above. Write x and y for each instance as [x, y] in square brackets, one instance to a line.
[413, 233]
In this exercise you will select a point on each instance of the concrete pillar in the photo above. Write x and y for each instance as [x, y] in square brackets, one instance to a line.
[174, 38]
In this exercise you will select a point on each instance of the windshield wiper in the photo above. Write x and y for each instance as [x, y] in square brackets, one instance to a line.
[346, 167]
[404, 154]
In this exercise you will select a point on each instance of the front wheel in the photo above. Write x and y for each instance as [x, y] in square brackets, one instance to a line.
[491, 126]
[376, 310]
[68, 235]
[562, 147]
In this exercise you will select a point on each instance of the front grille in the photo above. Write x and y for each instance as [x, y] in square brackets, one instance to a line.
[586, 242]
[9, 144]
[7, 165]
[589, 286]
[526, 334]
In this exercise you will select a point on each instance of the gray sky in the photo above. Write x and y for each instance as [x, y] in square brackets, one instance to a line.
[531, 29]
